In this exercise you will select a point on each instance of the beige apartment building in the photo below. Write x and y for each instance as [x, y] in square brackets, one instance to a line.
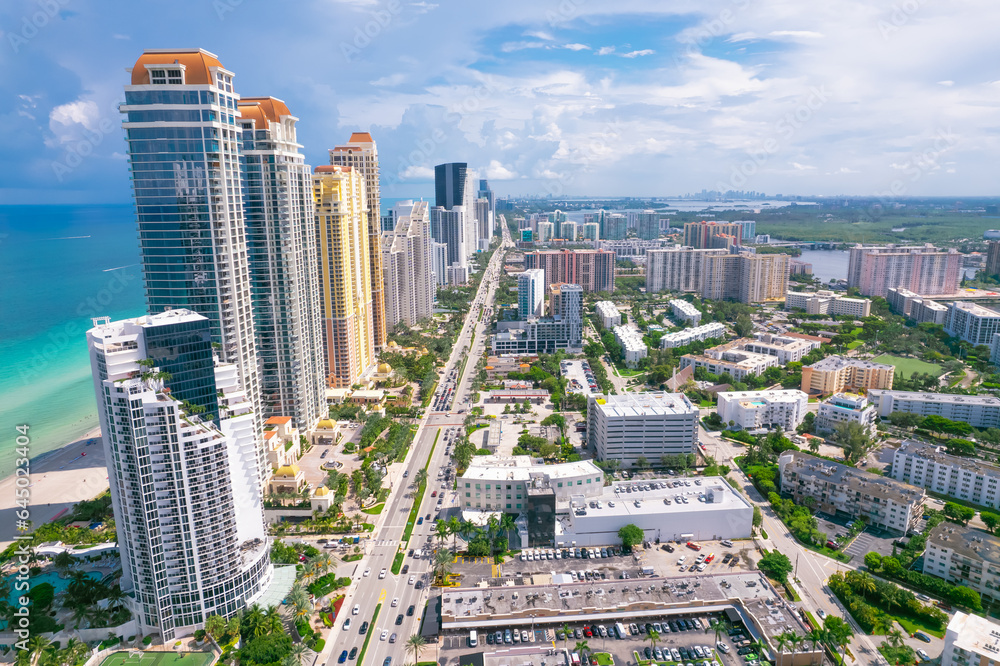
[835, 374]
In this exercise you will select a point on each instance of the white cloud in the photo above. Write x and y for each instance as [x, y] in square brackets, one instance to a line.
[576, 47]
[743, 37]
[540, 34]
[390, 80]
[417, 173]
[806, 34]
[122, 37]
[509, 47]
[802, 167]
[946, 84]
[605, 50]
[497, 171]
[423, 7]
[636, 54]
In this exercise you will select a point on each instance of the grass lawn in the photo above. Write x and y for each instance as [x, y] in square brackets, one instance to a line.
[909, 626]
[397, 563]
[159, 659]
[907, 366]
[375, 510]
[604, 659]
[855, 344]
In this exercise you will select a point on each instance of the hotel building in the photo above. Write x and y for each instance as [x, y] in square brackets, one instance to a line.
[186, 486]
[345, 274]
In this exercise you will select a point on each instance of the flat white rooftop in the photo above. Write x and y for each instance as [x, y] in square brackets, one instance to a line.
[653, 403]
[521, 468]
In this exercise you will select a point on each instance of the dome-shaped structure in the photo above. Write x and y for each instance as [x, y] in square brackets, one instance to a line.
[288, 470]
[322, 491]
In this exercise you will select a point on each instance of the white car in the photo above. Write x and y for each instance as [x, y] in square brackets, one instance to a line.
[395, 601]
[381, 574]
[367, 572]
[412, 580]
[923, 655]
[357, 609]
[385, 635]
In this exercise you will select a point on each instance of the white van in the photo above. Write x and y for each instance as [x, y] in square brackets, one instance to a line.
[473, 639]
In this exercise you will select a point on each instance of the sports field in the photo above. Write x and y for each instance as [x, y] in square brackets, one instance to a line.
[158, 659]
[907, 366]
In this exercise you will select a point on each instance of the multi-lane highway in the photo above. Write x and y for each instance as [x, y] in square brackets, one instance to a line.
[397, 593]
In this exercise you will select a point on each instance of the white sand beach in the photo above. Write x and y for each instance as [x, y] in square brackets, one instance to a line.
[59, 479]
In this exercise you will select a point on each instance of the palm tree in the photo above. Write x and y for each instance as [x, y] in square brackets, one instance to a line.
[298, 652]
[653, 637]
[492, 527]
[116, 597]
[302, 608]
[780, 641]
[581, 646]
[795, 641]
[441, 530]
[415, 645]
[252, 621]
[38, 646]
[442, 564]
[420, 477]
[215, 626]
[816, 637]
[813, 444]
[309, 572]
[324, 562]
[895, 637]
[272, 621]
[507, 524]
[454, 527]
[566, 633]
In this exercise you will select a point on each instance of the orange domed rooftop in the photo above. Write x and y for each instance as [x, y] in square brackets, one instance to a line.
[198, 65]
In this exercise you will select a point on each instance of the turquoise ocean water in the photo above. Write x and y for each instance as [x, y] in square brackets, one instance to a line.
[59, 267]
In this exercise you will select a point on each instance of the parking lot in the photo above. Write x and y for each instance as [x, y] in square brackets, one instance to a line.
[683, 639]
[871, 540]
[580, 376]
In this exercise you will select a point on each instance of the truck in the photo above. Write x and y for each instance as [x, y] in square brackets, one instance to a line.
[647, 571]
[621, 630]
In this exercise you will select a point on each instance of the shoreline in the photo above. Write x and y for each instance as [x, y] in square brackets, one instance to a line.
[59, 479]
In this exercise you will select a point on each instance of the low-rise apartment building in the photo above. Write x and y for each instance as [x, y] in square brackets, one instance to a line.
[916, 307]
[825, 301]
[695, 334]
[501, 483]
[845, 408]
[633, 347]
[965, 557]
[837, 488]
[979, 411]
[731, 358]
[786, 349]
[608, 314]
[834, 374]
[971, 641]
[641, 425]
[967, 479]
[763, 409]
[685, 312]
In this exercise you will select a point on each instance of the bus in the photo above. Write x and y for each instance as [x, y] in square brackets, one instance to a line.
[473, 639]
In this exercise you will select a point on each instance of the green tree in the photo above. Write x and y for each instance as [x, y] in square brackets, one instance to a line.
[415, 645]
[776, 565]
[873, 561]
[958, 513]
[991, 520]
[743, 325]
[631, 535]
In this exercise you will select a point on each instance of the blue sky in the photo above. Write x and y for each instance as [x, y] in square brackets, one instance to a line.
[632, 97]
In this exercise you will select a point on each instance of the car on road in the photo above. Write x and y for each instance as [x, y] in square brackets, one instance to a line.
[357, 609]
[411, 580]
[420, 520]
[392, 638]
[354, 653]
[364, 628]
[921, 636]
[342, 658]
[347, 624]
[395, 601]
[409, 611]
[385, 635]
[381, 574]
[406, 569]
[399, 619]
[923, 654]
[821, 613]
[387, 661]
[367, 572]
[419, 585]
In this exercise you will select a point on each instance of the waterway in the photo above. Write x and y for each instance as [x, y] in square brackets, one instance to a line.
[827, 264]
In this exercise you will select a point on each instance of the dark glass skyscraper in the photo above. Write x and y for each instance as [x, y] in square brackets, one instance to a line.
[449, 184]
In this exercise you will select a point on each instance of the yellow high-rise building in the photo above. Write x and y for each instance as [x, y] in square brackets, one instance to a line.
[361, 153]
[345, 273]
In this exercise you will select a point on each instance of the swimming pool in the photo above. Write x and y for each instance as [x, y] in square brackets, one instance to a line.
[52, 577]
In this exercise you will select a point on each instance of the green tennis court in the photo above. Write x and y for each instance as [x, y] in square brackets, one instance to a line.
[158, 659]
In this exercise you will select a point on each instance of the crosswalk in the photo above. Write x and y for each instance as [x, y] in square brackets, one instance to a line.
[386, 542]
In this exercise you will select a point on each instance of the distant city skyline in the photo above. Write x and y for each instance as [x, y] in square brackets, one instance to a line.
[642, 99]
